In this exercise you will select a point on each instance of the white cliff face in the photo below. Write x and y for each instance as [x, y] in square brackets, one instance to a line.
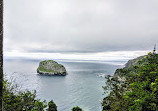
[50, 67]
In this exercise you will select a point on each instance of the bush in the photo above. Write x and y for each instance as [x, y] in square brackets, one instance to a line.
[52, 106]
[76, 109]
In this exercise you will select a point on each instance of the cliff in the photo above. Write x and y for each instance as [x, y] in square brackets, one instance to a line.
[133, 61]
[50, 67]
[130, 66]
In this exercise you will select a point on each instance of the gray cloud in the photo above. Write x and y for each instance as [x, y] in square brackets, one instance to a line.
[80, 25]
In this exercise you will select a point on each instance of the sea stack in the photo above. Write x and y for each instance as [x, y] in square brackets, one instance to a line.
[51, 68]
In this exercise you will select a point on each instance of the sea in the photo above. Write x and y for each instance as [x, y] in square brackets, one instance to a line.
[81, 87]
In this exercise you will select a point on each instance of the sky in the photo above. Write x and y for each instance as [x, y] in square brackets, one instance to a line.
[84, 29]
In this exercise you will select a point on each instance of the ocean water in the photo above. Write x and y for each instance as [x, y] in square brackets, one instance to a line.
[81, 87]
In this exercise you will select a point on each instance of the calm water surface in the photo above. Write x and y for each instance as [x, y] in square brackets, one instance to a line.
[81, 87]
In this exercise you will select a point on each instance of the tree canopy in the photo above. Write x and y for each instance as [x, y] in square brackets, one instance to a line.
[14, 100]
[76, 108]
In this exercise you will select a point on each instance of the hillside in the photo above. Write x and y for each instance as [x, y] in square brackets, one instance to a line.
[138, 90]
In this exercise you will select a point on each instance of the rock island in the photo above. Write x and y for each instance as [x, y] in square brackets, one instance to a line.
[50, 67]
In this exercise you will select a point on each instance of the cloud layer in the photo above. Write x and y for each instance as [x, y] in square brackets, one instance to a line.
[80, 25]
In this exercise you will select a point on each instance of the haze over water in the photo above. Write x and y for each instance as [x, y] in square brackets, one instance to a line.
[81, 87]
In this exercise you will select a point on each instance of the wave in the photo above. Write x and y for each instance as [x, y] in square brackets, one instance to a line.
[102, 75]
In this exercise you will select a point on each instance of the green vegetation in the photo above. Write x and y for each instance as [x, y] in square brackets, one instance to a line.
[52, 106]
[139, 89]
[14, 100]
[42, 69]
[76, 109]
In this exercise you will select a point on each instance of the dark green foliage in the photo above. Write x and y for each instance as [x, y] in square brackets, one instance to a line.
[14, 100]
[76, 109]
[52, 106]
[139, 90]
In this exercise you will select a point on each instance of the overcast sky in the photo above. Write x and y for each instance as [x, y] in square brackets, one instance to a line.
[79, 26]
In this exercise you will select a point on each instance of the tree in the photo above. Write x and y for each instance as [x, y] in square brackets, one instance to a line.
[139, 91]
[52, 106]
[76, 109]
[14, 100]
[1, 52]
